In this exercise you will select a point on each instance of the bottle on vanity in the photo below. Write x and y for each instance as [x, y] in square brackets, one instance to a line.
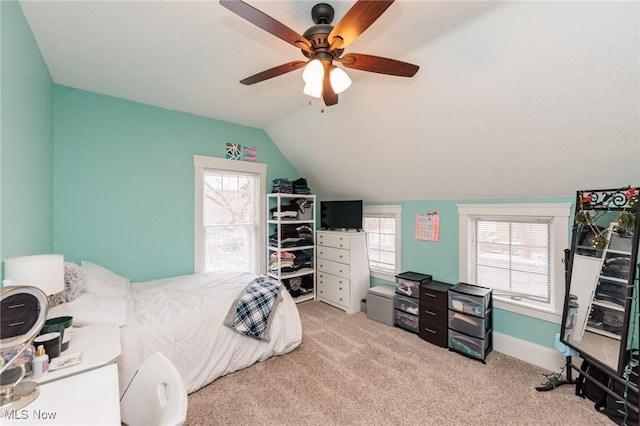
[40, 363]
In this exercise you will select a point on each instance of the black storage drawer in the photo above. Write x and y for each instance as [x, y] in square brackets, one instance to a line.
[470, 299]
[470, 346]
[406, 321]
[432, 316]
[433, 326]
[408, 283]
[469, 324]
[406, 304]
[433, 334]
[434, 294]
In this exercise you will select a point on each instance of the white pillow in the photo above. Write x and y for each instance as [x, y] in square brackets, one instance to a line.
[88, 309]
[101, 281]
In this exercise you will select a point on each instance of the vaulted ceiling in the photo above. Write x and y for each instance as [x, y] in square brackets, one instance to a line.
[512, 99]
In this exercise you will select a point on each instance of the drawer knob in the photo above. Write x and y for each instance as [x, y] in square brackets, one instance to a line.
[430, 295]
[430, 330]
[340, 288]
[430, 313]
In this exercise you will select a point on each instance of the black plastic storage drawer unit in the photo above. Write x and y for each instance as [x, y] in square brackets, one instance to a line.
[470, 320]
[433, 312]
[407, 301]
[408, 283]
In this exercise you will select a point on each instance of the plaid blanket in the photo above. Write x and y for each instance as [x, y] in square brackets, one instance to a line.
[250, 314]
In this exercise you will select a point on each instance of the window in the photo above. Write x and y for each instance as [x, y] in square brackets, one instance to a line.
[382, 225]
[517, 250]
[229, 215]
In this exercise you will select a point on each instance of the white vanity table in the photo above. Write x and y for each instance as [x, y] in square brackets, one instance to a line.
[82, 394]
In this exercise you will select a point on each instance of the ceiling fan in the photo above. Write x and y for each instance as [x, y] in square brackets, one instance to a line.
[322, 44]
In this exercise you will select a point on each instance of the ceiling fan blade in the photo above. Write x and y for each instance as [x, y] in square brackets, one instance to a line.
[267, 23]
[360, 61]
[329, 96]
[356, 21]
[273, 72]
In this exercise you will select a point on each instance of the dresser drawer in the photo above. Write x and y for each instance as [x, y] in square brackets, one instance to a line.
[334, 268]
[333, 240]
[332, 281]
[434, 294]
[335, 254]
[332, 294]
[434, 317]
[432, 334]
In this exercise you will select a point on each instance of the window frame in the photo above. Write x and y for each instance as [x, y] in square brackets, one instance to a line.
[200, 163]
[385, 210]
[559, 239]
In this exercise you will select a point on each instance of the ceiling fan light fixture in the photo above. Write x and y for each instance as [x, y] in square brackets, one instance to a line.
[340, 81]
[313, 89]
[313, 72]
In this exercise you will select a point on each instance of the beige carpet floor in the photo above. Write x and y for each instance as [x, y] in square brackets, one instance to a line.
[350, 370]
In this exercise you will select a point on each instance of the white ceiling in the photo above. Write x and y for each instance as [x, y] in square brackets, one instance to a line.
[516, 99]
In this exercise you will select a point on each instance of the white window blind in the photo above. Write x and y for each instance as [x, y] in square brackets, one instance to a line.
[383, 225]
[512, 255]
[381, 235]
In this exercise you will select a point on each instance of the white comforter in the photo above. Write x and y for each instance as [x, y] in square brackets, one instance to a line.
[182, 318]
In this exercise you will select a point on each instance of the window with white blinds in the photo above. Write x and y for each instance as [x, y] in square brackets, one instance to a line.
[517, 250]
[382, 225]
[511, 256]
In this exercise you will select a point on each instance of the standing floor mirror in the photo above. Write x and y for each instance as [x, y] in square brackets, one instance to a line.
[600, 316]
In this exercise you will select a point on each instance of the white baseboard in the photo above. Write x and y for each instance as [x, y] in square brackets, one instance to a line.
[547, 358]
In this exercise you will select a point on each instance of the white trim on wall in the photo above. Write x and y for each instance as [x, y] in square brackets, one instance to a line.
[200, 163]
[541, 356]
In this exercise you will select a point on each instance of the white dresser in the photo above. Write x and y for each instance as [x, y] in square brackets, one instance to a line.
[342, 269]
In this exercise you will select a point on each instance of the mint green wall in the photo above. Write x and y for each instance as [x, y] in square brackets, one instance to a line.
[440, 259]
[26, 140]
[122, 174]
[124, 180]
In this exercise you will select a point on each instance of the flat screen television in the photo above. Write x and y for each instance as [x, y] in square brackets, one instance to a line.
[341, 214]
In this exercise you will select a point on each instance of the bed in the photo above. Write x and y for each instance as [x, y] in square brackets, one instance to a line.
[182, 317]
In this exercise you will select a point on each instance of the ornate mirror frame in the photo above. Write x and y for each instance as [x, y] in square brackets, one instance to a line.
[601, 275]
